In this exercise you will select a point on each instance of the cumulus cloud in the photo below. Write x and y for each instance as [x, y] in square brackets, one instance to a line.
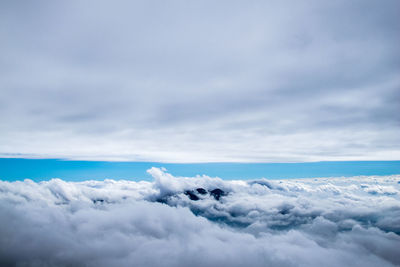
[201, 221]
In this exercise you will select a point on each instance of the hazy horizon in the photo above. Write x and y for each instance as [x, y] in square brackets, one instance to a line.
[13, 169]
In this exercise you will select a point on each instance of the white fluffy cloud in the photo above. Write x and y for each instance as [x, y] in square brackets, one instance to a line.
[177, 221]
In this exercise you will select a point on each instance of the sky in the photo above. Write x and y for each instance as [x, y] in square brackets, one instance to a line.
[200, 81]
[162, 133]
[14, 169]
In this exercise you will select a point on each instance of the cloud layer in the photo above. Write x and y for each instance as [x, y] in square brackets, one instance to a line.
[181, 81]
[201, 221]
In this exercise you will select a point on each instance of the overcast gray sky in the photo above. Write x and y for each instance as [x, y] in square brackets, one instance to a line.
[200, 81]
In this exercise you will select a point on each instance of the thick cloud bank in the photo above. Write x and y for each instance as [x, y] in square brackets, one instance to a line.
[201, 221]
[200, 81]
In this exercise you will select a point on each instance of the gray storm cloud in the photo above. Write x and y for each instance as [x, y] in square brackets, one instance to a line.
[193, 82]
[201, 221]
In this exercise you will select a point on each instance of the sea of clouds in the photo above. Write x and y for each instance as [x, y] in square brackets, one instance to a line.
[201, 221]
